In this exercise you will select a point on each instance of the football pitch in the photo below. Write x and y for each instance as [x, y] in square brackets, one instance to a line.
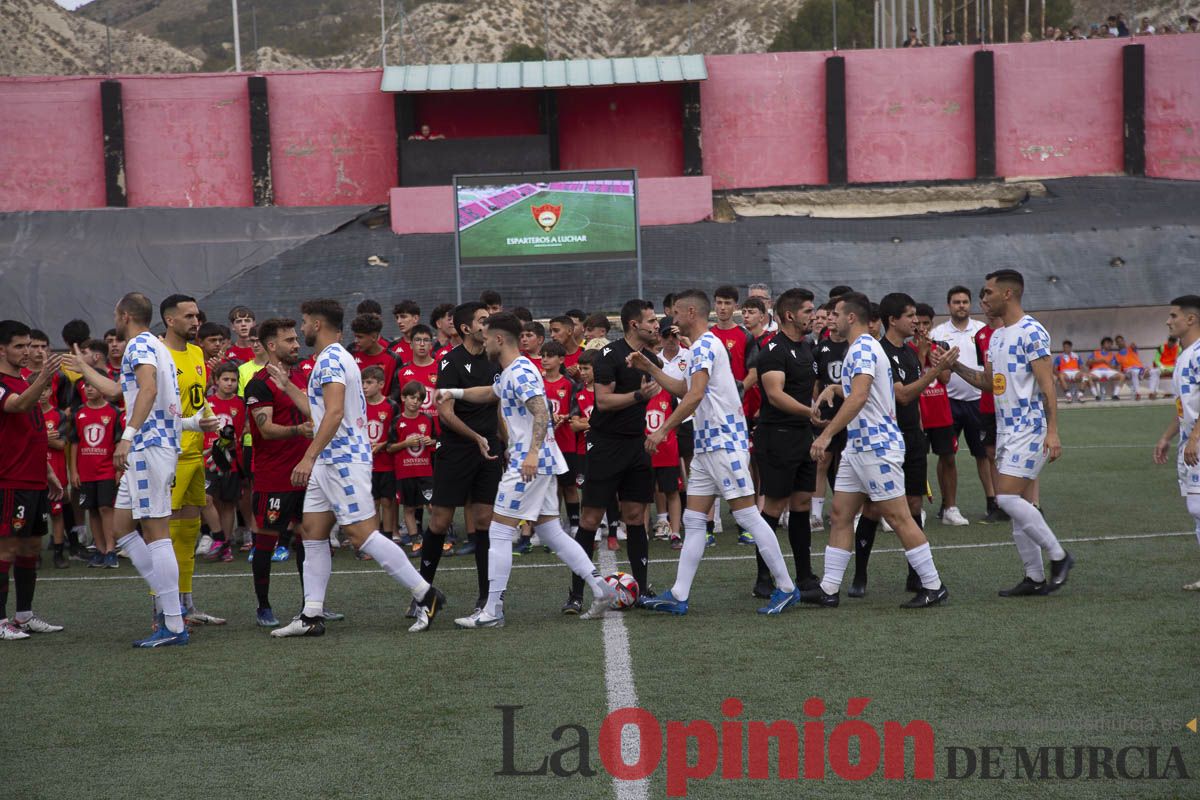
[372, 711]
[607, 220]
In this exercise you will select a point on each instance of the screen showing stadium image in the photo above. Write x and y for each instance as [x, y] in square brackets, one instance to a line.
[554, 217]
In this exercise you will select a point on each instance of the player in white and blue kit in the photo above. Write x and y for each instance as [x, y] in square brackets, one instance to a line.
[1020, 374]
[872, 466]
[721, 462]
[528, 490]
[336, 469]
[1183, 322]
[148, 452]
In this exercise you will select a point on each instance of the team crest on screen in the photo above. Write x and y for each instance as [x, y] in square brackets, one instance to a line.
[547, 215]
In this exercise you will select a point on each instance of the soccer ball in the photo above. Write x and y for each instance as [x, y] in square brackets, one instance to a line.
[627, 589]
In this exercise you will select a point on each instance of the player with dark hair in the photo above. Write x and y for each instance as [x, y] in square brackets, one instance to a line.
[408, 315]
[562, 330]
[899, 313]
[617, 463]
[871, 468]
[466, 465]
[336, 471]
[783, 436]
[241, 321]
[1019, 373]
[1183, 325]
[528, 491]
[27, 482]
[181, 318]
[279, 430]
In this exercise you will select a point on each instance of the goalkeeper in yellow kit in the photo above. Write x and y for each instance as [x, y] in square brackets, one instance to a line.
[181, 316]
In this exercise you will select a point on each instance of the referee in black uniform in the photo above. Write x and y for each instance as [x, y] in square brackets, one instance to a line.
[783, 437]
[617, 464]
[466, 464]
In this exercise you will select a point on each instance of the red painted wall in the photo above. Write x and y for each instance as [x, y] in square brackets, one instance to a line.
[462, 114]
[186, 141]
[51, 157]
[910, 115]
[622, 126]
[1173, 107]
[1058, 108]
[1058, 112]
[763, 120]
[333, 138]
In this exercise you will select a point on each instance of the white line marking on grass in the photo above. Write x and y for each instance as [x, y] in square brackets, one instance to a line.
[559, 565]
[618, 678]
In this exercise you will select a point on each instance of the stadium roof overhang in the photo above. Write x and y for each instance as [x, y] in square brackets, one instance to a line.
[544, 74]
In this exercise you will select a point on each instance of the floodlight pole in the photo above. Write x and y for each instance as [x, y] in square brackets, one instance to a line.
[637, 224]
[237, 40]
[383, 32]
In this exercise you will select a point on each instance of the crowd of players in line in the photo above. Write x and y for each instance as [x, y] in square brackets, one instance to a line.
[145, 437]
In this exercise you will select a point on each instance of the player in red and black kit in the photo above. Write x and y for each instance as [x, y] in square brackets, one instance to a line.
[27, 485]
[223, 478]
[617, 464]
[280, 432]
[738, 341]
[241, 321]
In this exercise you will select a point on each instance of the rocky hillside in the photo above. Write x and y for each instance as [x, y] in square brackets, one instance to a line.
[345, 33]
[37, 37]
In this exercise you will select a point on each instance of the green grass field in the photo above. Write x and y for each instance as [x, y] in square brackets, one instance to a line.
[606, 219]
[372, 711]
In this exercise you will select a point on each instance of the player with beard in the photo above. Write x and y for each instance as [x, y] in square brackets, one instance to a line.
[873, 463]
[466, 465]
[899, 314]
[336, 473]
[181, 317]
[529, 489]
[1018, 372]
[617, 464]
[280, 431]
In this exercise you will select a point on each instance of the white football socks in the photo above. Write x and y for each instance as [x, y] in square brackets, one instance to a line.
[165, 583]
[818, 507]
[921, 560]
[768, 546]
[139, 555]
[318, 564]
[570, 553]
[1030, 520]
[1193, 507]
[395, 563]
[695, 534]
[836, 561]
[499, 566]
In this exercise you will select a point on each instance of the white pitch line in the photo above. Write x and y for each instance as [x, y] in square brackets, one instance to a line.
[618, 678]
[707, 558]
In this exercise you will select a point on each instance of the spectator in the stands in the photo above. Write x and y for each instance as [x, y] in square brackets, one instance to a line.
[424, 133]
[913, 39]
[949, 37]
[1146, 29]
[1193, 25]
